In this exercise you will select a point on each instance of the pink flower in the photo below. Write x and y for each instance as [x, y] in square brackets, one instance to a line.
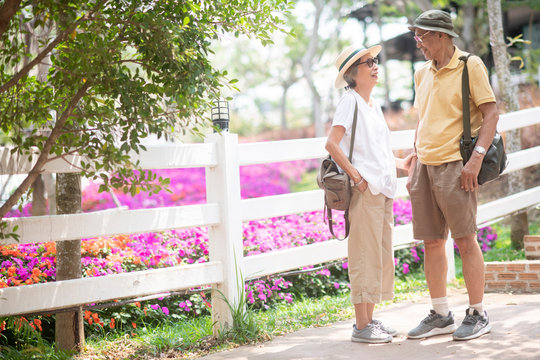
[405, 268]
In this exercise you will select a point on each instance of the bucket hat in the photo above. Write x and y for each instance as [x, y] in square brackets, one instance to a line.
[347, 57]
[434, 20]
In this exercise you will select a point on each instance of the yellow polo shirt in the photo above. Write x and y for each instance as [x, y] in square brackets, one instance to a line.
[438, 100]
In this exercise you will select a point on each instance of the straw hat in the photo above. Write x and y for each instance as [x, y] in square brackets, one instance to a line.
[348, 57]
[434, 20]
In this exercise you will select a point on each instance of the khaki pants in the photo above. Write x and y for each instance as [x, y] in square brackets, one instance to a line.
[371, 257]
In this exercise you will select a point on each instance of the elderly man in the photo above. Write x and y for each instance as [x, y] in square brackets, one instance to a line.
[441, 188]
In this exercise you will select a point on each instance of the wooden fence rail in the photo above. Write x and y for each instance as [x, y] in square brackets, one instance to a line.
[223, 214]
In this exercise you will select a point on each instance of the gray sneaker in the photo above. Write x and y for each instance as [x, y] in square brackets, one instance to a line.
[473, 326]
[370, 334]
[387, 329]
[433, 324]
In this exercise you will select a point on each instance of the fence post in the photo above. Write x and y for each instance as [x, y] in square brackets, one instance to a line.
[225, 239]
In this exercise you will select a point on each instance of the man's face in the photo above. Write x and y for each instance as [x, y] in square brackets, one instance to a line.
[427, 42]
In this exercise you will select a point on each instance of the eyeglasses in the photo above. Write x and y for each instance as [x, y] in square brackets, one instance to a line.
[370, 62]
[419, 38]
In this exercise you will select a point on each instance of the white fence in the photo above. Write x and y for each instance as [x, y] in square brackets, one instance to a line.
[224, 213]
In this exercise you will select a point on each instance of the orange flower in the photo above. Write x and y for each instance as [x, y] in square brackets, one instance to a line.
[11, 271]
[28, 282]
[3, 285]
[134, 325]
[36, 272]
[138, 304]
[38, 324]
[3, 326]
[90, 321]
[111, 324]
[87, 314]
[16, 282]
[95, 316]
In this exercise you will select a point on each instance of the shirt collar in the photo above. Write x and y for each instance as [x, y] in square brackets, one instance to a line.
[454, 61]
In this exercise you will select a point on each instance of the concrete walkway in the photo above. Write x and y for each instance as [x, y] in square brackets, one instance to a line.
[515, 334]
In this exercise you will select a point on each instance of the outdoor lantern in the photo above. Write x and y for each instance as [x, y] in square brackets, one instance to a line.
[220, 115]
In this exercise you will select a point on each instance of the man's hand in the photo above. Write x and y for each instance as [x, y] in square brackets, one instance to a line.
[469, 173]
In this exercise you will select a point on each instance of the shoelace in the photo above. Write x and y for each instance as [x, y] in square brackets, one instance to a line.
[376, 330]
[470, 319]
[430, 317]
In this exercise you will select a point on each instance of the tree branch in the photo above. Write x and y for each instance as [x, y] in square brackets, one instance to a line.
[43, 156]
[7, 11]
[63, 35]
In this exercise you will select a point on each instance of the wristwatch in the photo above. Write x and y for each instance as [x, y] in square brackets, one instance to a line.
[480, 149]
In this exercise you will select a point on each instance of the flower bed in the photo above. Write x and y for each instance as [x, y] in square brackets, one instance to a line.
[35, 263]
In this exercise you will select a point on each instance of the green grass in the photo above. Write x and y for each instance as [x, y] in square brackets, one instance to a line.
[308, 182]
[193, 338]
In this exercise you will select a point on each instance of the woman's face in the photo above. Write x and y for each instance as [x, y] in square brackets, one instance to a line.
[366, 74]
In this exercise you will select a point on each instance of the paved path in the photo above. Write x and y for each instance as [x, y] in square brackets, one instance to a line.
[515, 334]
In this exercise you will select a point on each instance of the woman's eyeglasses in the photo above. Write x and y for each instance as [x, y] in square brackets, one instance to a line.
[419, 38]
[370, 62]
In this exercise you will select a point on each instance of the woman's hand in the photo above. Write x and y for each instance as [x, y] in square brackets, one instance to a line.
[412, 164]
[362, 184]
[405, 164]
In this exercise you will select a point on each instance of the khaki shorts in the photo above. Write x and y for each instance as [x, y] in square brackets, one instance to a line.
[371, 257]
[439, 203]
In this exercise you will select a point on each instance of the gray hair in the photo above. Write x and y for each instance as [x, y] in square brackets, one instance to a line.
[350, 75]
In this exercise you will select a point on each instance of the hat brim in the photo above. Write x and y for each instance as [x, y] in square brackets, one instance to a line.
[340, 82]
[433, 28]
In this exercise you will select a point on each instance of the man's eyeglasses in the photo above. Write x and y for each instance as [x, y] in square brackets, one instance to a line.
[419, 38]
[370, 62]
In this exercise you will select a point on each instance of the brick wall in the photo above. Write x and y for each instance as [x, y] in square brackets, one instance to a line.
[531, 243]
[521, 276]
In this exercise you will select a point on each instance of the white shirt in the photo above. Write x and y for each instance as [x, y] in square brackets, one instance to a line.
[372, 153]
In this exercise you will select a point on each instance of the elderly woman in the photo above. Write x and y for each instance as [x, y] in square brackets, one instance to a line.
[373, 180]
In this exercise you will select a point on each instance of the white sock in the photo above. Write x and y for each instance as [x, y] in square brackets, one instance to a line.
[478, 307]
[440, 305]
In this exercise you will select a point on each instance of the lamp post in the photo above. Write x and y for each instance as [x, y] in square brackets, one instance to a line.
[220, 115]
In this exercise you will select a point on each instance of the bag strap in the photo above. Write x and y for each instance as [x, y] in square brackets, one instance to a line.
[331, 228]
[346, 214]
[467, 140]
[353, 130]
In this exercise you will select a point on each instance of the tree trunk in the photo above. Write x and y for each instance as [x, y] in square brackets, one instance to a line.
[50, 189]
[69, 334]
[508, 93]
[307, 63]
[467, 35]
[382, 56]
[39, 205]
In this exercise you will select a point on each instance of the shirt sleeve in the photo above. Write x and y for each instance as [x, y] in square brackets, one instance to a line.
[481, 91]
[345, 112]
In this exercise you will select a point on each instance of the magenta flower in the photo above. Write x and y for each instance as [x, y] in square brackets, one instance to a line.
[405, 268]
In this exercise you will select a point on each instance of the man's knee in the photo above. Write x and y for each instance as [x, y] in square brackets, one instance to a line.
[434, 245]
[467, 243]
